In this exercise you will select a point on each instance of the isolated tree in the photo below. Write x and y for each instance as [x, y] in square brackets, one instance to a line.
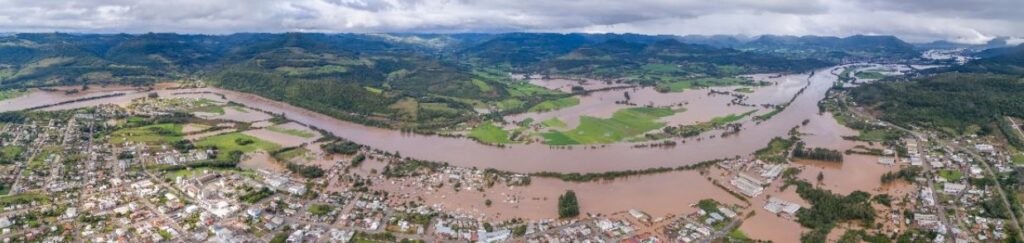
[568, 207]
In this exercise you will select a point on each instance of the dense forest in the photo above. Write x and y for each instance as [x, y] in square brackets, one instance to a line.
[977, 94]
[950, 100]
[822, 154]
[828, 210]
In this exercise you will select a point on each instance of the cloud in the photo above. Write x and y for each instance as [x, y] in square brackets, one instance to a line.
[916, 20]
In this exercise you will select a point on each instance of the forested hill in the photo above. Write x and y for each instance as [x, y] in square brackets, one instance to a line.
[396, 80]
[857, 47]
[1006, 60]
[630, 58]
[973, 97]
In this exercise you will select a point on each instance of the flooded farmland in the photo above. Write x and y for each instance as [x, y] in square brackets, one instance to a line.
[517, 158]
[664, 194]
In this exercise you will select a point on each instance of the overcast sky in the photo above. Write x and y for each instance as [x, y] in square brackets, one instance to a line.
[964, 21]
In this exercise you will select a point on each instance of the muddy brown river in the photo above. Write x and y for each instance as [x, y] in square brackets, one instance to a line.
[517, 158]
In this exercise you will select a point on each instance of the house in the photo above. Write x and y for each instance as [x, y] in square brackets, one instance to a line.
[144, 187]
[776, 205]
[496, 236]
[953, 188]
[5, 223]
[746, 186]
[728, 213]
[771, 171]
[638, 214]
[296, 189]
[984, 148]
[927, 196]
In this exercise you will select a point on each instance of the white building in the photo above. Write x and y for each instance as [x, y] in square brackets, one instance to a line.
[953, 188]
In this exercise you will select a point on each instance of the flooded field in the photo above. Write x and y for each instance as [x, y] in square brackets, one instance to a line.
[565, 85]
[236, 113]
[287, 135]
[519, 158]
[663, 194]
[856, 173]
[700, 104]
[261, 160]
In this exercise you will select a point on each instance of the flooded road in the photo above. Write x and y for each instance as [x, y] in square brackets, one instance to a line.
[658, 194]
[663, 195]
[517, 158]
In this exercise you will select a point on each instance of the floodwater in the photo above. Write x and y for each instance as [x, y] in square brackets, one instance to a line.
[661, 194]
[234, 113]
[700, 104]
[284, 139]
[856, 173]
[198, 136]
[767, 226]
[529, 157]
[261, 160]
[565, 85]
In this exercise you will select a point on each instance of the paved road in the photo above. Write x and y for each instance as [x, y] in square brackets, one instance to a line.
[921, 149]
[981, 160]
[1016, 126]
[999, 187]
[724, 231]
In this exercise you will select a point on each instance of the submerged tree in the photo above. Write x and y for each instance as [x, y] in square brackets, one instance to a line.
[568, 207]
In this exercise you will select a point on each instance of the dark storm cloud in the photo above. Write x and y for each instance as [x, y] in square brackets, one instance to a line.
[910, 19]
[986, 9]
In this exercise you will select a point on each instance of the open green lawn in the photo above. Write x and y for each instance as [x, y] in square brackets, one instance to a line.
[554, 122]
[483, 86]
[490, 133]
[681, 85]
[869, 75]
[204, 105]
[951, 175]
[9, 154]
[624, 124]
[228, 142]
[209, 109]
[1018, 158]
[523, 89]
[157, 133]
[551, 105]
[23, 198]
[11, 93]
[776, 150]
[320, 209]
[738, 235]
[293, 132]
[509, 104]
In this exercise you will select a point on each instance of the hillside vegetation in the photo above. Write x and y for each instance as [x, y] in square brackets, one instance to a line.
[409, 81]
[977, 94]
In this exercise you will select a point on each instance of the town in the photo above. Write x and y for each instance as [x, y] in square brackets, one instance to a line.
[193, 168]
